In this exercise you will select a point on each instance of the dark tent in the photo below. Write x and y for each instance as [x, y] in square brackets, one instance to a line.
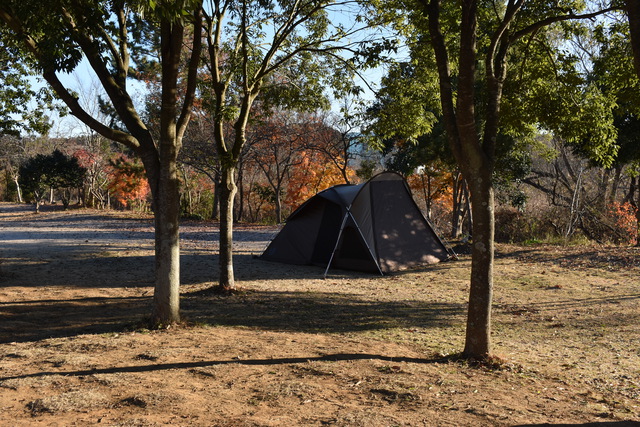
[375, 226]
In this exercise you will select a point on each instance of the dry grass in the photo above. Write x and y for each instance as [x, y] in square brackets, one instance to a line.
[294, 349]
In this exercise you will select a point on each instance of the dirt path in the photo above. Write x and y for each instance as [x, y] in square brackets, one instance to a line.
[294, 349]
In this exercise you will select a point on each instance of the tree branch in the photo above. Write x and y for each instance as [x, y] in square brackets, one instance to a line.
[70, 100]
[553, 19]
[192, 75]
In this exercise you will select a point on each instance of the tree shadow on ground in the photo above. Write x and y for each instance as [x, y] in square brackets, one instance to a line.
[280, 311]
[80, 267]
[91, 267]
[334, 357]
[41, 319]
[318, 312]
[592, 257]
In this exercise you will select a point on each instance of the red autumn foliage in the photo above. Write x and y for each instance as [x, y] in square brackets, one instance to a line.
[313, 175]
[625, 221]
[127, 183]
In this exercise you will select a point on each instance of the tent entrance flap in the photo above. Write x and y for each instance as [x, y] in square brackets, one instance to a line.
[351, 251]
[328, 233]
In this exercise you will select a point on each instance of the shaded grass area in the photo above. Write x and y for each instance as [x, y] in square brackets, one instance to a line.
[282, 311]
[358, 349]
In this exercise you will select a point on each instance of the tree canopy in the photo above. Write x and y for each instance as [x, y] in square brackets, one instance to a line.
[265, 54]
[23, 108]
[41, 173]
[115, 38]
[498, 72]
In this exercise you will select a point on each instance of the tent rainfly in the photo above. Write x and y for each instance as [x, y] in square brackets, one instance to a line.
[371, 227]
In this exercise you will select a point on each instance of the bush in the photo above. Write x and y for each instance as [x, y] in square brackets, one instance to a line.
[514, 226]
[624, 223]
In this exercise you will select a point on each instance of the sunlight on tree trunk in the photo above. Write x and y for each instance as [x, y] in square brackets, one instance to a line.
[478, 335]
[228, 192]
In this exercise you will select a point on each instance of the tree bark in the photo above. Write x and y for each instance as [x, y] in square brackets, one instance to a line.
[215, 209]
[228, 191]
[18, 189]
[278, 203]
[166, 197]
[457, 211]
[476, 164]
[478, 335]
[632, 8]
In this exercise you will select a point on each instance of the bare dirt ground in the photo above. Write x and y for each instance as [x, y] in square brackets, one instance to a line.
[294, 349]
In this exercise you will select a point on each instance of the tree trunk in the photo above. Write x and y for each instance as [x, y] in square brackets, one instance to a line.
[278, 206]
[166, 307]
[18, 189]
[162, 175]
[426, 192]
[615, 185]
[456, 213]
[632, 7]
[239, 211]
[478, 336]
[228, 191]
[215, 209]
[467, 212]
[475, 160]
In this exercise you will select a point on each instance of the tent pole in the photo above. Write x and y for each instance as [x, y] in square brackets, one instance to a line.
[366, 244]
[335, 248]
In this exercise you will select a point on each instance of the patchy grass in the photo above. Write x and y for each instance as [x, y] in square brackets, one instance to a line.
[294, 349]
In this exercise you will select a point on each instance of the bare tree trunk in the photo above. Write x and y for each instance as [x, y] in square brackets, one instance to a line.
[478, 336]
[228, 191]
[278, 203]
[166, 307]
[426, 192]
[215, 210]
[574, 212]
[16, 181]
[632, 7]
[615, 185]
[457, 212]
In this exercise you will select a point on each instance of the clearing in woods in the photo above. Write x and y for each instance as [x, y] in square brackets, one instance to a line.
[294, 349]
